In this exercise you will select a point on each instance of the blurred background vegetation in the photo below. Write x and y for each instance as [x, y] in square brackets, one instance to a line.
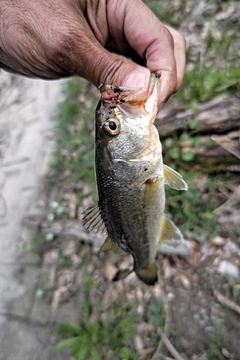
[124, 320]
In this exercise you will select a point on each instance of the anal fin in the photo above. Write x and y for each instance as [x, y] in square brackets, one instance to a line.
[170, 233]
[174, 179]
[110, 245]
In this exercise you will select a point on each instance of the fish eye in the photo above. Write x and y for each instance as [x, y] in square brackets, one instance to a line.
[112, 127]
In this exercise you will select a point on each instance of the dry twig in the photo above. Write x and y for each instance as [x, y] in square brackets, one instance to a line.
[226, 302]
[169, 346]
[164, 334]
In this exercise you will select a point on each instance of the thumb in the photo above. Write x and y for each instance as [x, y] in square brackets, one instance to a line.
[103, 67]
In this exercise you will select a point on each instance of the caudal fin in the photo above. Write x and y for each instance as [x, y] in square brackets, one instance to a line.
[148, 275]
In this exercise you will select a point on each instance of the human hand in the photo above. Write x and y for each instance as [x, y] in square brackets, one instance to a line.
[51, 39]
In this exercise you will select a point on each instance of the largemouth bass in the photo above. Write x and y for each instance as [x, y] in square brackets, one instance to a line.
[130, 178]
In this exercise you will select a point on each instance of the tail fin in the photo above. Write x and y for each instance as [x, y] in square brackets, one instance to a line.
[148, 275]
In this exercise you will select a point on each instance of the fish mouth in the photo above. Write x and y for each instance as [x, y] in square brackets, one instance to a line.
[134, 103]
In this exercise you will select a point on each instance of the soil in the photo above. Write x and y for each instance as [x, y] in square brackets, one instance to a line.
[201, 305]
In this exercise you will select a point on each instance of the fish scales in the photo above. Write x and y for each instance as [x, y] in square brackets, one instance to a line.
[122, 217]
[130, 178]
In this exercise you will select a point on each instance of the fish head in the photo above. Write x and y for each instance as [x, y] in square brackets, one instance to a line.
[125, 132]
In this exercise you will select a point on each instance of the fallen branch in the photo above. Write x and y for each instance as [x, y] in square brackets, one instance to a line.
[164, 334]
[228, 204]
[169, 346]
[164, 357]
[70, 229]
[226, 302]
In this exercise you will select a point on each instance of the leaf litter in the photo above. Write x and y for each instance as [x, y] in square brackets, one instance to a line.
[197, 293]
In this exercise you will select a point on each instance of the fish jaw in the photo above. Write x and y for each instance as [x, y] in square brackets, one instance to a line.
[134, 103]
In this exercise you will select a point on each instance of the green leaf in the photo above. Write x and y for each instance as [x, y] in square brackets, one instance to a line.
[184, 136]
[94, 354]
[81, 344]
[83, 352]
[66, 343]
[168, 142]
[70, 329]
[127, 354]
[174, 153]
[188, 156]
[196, 141]
[193, 124]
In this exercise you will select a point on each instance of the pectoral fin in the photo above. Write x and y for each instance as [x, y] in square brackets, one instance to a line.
[121, 274]
[170, 234]
[148, 275]
[174, 179]
[92, 218]
[110, 245]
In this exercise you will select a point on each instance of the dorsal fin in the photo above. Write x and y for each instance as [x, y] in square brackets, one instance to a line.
[170, 233]
[174, 179]
[92, 218]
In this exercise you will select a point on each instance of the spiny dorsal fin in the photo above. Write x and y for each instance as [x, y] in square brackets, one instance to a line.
[109, 244]
[92, 218]
[121, 274]
[148, 275]
[170, 234]
[174, 179]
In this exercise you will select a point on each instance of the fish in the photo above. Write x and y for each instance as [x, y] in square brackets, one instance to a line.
[131, 178]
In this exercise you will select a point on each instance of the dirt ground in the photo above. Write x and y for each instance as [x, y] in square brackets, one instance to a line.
[198, 307]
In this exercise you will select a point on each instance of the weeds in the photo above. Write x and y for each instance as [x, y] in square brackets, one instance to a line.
[215, 71]
[75, 146]
[164, 11]
[110, 335]
[194, 212]
[215, 348]
[216, 68]
[234, 285]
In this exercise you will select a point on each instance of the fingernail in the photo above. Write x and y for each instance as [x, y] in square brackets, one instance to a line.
[137, 79]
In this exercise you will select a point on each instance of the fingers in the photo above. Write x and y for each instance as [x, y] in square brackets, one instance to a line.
[162, 47]
[70, 38]
[179, 53]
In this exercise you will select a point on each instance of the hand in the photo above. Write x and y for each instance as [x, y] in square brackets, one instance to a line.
[51, 39]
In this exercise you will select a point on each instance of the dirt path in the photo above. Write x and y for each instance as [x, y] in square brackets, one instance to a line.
[26, 143]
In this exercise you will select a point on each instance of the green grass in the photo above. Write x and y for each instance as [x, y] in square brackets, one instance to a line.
[75, 124]
[214, 351]
[193, 212]
[215, 69]
[111, 336]
[207, 76]
[164, 11]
